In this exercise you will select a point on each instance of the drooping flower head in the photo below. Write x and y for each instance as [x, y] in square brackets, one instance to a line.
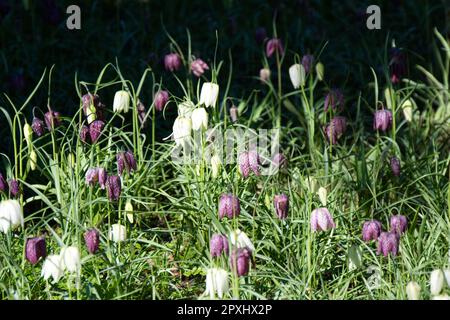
[254, 162]
[274, 45]
[321, 220]
[113, 187]
[244, 164]
[388, 242]
[38, 126]
[395, 166]
[11, 215]
[125, 161]
[240, 261]
[35, 249]
[14, 188]
[198, 67]
[371, 230]
[161, 99]
[172, 62]
[264, 74]
[308, 62]
[216, 282]
[399, 224]
[52, 119]
[335, 129]
[333, 100]
[218, 245]
[92, 239]
[281, 204]
[3, 184]
[279, 160]
[84, 134]
[95, 130]
[382, 120]
[229, 206]
[102, 177]
[397, 65]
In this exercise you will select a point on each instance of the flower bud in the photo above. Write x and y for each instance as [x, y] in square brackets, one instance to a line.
[413, 290]
[182, 130]
[161, 99]
[172, 62]
[28, 134]
[71, 259]
[35, 249]
[33, 160]
[297, 75]
[209, 94]
[274, 45]
[14, 188]
[95, 130]
[118, 233]
[199, 119]
[198, 67]
[218, 245]
[407, 108]
[216, 165]
[334, 99]
[38, 126]
[121, 102]
[308, 62]
[142, 114]
[92, 239]
[321, 220]
[312, 184]
[281, 204]
[395, 166]
[388, 242]
[234, 114]
[322, 193]
[436, 281]
[53, 267]
[371, 230]
[320, 71]
[216, 282]
[398, 224]
[129, 211]
[264, 74]
[240, 261]
[382, 120]
[113, 187]
[229, 206]
[52, 119]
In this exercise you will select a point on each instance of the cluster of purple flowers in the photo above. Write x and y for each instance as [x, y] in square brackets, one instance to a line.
[52, 120]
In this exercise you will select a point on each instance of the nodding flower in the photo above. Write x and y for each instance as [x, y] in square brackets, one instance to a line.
[382, 120]
[388, 242]
[281, 204]
[161, 99]
[38, 126]
[399, 224]
[92, 239]
[3, 184]
[395, 166]
[172, 62]
[52, 119]
[198, 67]
[371, 230]
[229, 206]
[321, 220]
[113, 187]
[244, 164]
[240, 261]
[218, 245]
[335, 129]
[308, 62]
[84, 134]
[125, 161]
[35, 249]
[334, 99]
[14, 188]
[95, 130]
[274, 45]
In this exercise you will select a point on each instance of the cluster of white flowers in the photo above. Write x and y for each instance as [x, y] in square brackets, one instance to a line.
[69, 259]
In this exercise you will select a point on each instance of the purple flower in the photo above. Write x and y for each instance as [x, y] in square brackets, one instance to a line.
[52, 119]
[129, 156]
[371, 230]
[382, 120]
[260, 35]
[84, 134]
[388, 242]
[333, 99]
[273, 45]
[35, 248]
[218, 244]
[161, 98]
[234, 114]
[254, 162]
[142, 114]
[92, 239]
[321, 220]
[307, 62]
[395, 166]
[398, 224]
[335, 129]
[3, 184]
[172, 62]
[244, 164]
[95, 130]
[89, 99]
[279, 160]
[198, 67]
[14, 188]
[113, 187]
[91, 176]
[125, 161]
[38, 126]
[397, 65]
[281, 204]
[240, 261]
[102, 177]
[229, 206]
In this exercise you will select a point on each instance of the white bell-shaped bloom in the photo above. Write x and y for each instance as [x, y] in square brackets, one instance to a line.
[121, 101]
[436, 281]
[209, 94]
[71, 259]
[407, 108]
[11, 215]
[118, 233]
[216, 282]
[182, 130]
[53, 267]
[216, 165]
[199, 119]
[413, 290]
[185, 109]
[297, 74]
[240, 239]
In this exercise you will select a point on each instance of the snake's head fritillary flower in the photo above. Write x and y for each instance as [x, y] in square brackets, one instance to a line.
[92, 239]
[254, 162]
[240, 261]
[297, 74]
[388, 242]
[35, 249]
[131, 161]
[308, 62]
[335, 129]
[198, 67]
[382, 120]
[244, 164]
[264, 74]
[3, 184]
[95, 130]
[279, 160]
[121, 102]
[113, 187]
[218, 245]
[142, 114]
[11, 215]
[118, 233]
[182, 128]
[53, 267]
[38, 126]
[89, 100]
[84, 134]
[274, 45]
[436, 281]
[321, 220]
[333, 100]
[413, 290]
[14, 188]
[240, 239]
[71, 259]
[399, 224]
[397, 65]
[172, 62]
[234, 114]
[209, 94]
[161, 99]
[371, 230]
[102, 177]
[216, 282]
[281, 204]
[199, 119]
[91, 176]
[52, 119]
[229, 206]
[395, 166]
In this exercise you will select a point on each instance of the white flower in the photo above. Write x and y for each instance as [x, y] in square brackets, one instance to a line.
[447, 276]
[413, 290]
[182, 130]
[118, 233]
[52, 267]
[121, 102]
[436, 281]
[70, 257]
[312, 184]
[216, 282]
[209, 94]
[239, 239]
[199, 119]
[11, 215]
[216, 164]
[441, 297]
[297, 74]
[322, 192]
[407, 108]
[185, 109]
